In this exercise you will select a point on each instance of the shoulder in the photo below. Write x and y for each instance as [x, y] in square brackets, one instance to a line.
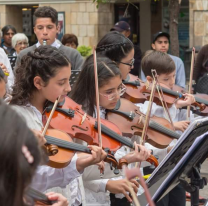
[25, 51]
[68, 51]
[2, 51]
[176, 59]
[20, 109]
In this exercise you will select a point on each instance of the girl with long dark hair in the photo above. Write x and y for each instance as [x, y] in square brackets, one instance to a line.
[42, 76]
[110, 88]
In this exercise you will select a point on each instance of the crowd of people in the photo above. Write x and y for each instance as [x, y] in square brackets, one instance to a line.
[41, 75]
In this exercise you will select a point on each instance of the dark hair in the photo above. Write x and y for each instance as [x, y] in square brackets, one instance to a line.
[2, 75]
[83, 91]
[44, 61]
[6, 28]
[46, 12]
[115, 46]
[16, 173]
[161, 62]
[69, 38]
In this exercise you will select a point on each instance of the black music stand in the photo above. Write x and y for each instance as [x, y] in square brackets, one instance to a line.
[188, 168]
[12, 60]
[197, 128]
[74, 77]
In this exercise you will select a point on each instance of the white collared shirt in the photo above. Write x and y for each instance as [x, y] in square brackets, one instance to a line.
[47, 177]
[54, 44]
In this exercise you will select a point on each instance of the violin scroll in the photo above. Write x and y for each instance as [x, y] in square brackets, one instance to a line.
[51, 149]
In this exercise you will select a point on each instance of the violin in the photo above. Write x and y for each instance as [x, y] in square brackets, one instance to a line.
[39, 197]
[139, 92]
[70, 118]
[130, 121]
[133, 86]
[61, 148]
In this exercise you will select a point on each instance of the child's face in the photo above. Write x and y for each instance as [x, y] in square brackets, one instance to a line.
[109, 94]
[123, 65]
[58, 85]
[167, 79]
[2, 88]
[161, 44]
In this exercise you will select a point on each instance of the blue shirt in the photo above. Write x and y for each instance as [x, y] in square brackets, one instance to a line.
[180, 72]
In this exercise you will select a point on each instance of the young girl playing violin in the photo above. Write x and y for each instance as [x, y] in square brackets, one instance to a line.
[44, 76]
[119, 49]
[110, 90]
[20, 156]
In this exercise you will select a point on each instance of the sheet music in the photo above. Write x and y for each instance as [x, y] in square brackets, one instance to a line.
[179, 142]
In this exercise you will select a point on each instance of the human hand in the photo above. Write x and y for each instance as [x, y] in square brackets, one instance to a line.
[136, 155]
[187, 101]
[7, 98]
[61, 200]
[41, 139]
[5, 70]
[122, 186]
[101, 166]
[182, 125]
[84, 160]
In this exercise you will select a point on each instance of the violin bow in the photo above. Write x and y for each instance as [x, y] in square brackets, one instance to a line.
[97, 101]
[135, 172]
[50, 117]
[133, 194]
[162, 99]
[190, 80]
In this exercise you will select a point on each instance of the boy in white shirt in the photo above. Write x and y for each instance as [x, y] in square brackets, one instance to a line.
[166, 72]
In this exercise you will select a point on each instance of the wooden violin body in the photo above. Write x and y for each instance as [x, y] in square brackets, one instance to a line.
[133, 86]
[130, 121]
[69, 117]
[139, 92]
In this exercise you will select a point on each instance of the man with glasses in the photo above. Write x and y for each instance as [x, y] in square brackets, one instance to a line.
[161, 43]
[124, 28]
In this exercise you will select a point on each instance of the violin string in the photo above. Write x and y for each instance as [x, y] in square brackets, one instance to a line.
[66, 144]
[165, 130]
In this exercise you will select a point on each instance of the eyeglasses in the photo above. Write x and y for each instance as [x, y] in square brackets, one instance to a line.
[22, 43]
[121, 90]
[129, 64]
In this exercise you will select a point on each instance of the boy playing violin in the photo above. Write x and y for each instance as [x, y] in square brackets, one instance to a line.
[165, 68]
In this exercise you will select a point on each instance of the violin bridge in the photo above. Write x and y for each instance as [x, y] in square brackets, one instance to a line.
[83, 118]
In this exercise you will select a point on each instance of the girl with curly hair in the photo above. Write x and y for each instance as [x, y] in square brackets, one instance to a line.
[42, 76]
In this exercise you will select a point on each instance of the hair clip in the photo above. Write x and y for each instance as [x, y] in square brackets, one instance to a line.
[27, 154]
